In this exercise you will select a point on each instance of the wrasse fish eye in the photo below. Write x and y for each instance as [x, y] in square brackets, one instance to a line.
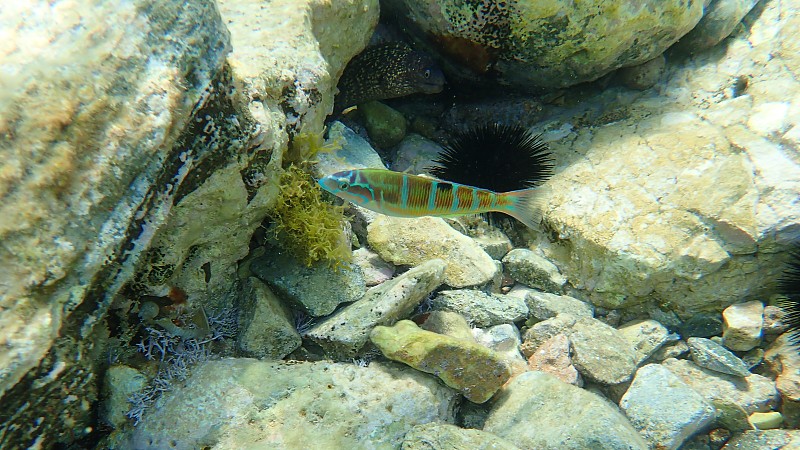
[404, 195]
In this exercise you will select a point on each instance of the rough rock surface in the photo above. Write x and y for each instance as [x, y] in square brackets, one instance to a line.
[532, 44]
[601, 353]
[266, 328]
[693, 184]
[344, 333]
[405, 241]
[470, 368]
[553, 357]
[754, 393]
[246, 403]
[481, 309]
[446, 436]
[665, 409]
[317, 290]
[645, 336]
[707, 353]
[533, 270]
[741, 325]
[559, 416]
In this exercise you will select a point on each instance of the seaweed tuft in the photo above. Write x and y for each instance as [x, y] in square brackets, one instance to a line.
[306, 225]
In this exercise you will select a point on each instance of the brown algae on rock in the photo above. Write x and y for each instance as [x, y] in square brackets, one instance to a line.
[470, 368]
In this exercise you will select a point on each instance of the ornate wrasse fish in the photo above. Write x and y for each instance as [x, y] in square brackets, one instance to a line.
[403, 195]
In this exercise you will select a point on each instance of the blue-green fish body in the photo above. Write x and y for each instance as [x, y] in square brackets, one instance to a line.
[403, 195]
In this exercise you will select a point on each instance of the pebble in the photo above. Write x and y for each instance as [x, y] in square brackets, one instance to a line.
[544, 330]
[120, 383]
[351, 151]
[553, 357]
[317, 289]
[343, 334]
[601, 353]
[707, 353]
[469, 368]
[404, 241]
[532, 270]
[505, 340]
[665, 409]
[741, 325]
[536, 410]
[375, 270]
[266, 326]
[767, 420]
[482, 309]
[645, 336]
[765, 440]
[754, 393]
[385, 126]
[543, 305]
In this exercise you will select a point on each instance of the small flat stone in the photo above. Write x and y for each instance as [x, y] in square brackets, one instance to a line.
[663, 408]
[707, 353]
[533, 270]
[375, 270]
[752, 394]
[544, 305]
[470, 368]
[482, 309]
[645, 336]
[601, 353]
[741, 325]
[544, 330]
[266, 328]
[766, 420]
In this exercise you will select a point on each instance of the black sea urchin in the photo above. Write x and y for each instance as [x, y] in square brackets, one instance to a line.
[789, 288]
[498, 157]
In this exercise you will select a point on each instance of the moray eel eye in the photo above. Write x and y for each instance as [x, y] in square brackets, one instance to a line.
[427, 73]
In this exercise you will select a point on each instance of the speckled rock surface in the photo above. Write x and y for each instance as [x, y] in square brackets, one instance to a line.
[317, 290]
[481, 309]
[415, 154]
[469, 368]
[553, 357]
[687, 180]
[406, 241]
[601, 353]
[707, 353]
[741, 325]
[343, 334]
[449, 323]
[446, 436]
[754, 393]
[645, 336]
[96, 144]
[266, 328]
[543, 305]
[533, 270]
[544, 330]
[765, 440]
[663, 408]
[245, 403]
[551, 44]
[375, 270]
[119, 383]
[558, 416]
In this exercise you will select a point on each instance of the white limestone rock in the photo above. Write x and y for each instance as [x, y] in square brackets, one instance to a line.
[481, 309]
[645, 336]
[741, 325]
[410, 241]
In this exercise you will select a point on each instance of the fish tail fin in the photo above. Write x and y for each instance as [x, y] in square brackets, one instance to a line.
[525, 205]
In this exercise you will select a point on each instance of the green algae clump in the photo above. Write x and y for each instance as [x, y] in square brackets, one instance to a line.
[307, 226]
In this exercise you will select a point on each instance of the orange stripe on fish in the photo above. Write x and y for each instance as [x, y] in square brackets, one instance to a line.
[403, 195]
